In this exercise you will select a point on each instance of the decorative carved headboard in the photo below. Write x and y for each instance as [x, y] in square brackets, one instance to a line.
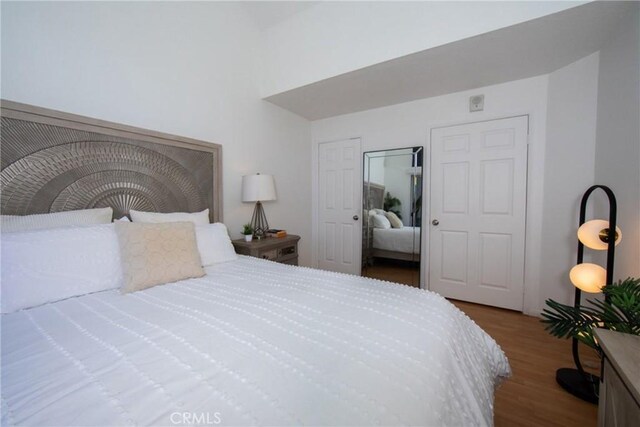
[54, 161]
[373, 195]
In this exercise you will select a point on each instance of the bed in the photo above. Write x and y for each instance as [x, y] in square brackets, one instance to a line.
[257, 342]
[251, 342]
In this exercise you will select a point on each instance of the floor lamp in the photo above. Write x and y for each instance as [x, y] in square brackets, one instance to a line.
[598, 235]
[258, 188]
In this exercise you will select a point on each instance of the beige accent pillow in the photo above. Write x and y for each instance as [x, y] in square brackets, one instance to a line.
[154, 254]
[394, 220]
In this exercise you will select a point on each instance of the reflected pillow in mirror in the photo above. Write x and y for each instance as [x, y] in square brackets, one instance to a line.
[394, 220]
[381, 221]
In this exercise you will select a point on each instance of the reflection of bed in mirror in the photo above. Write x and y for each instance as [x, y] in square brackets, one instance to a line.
[401, 243]
[392, 202]
[397, 243]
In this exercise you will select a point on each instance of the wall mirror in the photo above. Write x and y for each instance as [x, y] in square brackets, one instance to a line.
[392, 215]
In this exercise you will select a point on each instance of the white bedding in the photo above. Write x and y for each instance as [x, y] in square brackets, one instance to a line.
[405, 239]
[253, 342]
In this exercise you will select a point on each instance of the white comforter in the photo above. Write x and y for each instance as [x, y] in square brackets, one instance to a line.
[405, 239]
[253, 342]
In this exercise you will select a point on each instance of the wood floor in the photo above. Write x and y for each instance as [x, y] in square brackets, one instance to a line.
[531, 397]
[404, 272]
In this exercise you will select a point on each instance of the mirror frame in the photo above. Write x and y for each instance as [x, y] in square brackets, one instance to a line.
[417, 152]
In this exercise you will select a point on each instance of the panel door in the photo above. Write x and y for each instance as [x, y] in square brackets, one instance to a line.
[339, 204]
[478, 205]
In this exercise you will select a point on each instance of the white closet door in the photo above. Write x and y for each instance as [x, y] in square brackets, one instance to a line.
[478, 204]
[339, 205]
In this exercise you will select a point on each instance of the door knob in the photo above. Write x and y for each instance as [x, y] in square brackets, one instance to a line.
[355, 217]
[435, 222]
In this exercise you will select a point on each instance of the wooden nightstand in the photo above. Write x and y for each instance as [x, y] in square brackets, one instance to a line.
[283, 249]
[619, 404]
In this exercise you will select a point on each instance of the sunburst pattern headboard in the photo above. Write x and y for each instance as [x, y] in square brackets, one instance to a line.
[373, 195]
[53, 161]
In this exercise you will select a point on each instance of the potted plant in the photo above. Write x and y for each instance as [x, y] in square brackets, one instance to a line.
[620, 311]
[247, 231]
[392, 204]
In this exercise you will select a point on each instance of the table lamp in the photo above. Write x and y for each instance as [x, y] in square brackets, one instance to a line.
[258, 188]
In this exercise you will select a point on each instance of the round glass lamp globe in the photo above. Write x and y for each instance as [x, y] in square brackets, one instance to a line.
[592, 234]
[588, 277]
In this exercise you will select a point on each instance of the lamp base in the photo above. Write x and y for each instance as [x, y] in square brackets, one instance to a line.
[586, 386]
[259, 222]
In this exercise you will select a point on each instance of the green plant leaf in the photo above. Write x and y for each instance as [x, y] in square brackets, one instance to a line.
[620, 311]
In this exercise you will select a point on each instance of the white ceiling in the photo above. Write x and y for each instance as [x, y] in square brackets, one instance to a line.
[524, 50]
[268, 13]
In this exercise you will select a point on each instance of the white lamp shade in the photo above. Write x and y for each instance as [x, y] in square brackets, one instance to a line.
[258, 188]
[588, 277]
[589, 234]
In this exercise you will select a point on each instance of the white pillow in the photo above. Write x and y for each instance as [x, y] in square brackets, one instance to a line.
[49, 265]
[123, 219]
[381, 221]
[198, 218]
[214, 244]
[379, 211]
[13, 223]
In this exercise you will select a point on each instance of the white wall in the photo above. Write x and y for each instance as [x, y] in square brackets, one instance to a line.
[569, 170]
[617, 162]
[189, 69]
[374, 169]
[333, 38]
[408, 124]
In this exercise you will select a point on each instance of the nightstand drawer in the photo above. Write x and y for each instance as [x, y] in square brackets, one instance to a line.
[288, 250]
[270, 255]
[282, 249]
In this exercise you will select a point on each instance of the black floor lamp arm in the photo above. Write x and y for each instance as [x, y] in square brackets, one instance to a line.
[611, 244]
